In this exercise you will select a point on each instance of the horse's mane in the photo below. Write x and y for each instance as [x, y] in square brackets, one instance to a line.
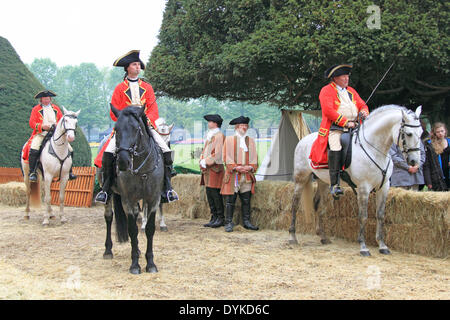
[388, 107]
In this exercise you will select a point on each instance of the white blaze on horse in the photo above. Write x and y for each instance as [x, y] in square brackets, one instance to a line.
[55, 161]
[370, 169]
[164, 131]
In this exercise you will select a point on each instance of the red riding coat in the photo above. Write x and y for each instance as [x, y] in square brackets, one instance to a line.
[36, 120]
[329, 102]
[121, 99]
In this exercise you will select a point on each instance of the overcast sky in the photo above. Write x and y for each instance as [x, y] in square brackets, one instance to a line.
[72, 32]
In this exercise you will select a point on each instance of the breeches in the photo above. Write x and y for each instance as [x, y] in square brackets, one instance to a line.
[334, 140]
[111, 148]
[37, 142]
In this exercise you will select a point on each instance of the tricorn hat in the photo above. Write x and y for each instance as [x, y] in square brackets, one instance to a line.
[239, 120]
[45, 93]
[125, 60]
[338, 70]
[214, 118]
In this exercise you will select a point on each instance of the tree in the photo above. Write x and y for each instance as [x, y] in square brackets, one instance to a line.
[276, 51]
[45, 71]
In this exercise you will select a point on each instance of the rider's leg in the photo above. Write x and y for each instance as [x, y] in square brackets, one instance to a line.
[169, 194]
[108, 175]
[34, 156]
[334, 162]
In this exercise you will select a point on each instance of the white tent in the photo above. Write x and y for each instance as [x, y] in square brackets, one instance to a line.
[278, 164]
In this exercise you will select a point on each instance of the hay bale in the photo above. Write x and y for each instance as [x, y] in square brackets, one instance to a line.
[415, 222]
[13, 194]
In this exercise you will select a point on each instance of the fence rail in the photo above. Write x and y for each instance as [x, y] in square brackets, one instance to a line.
[79, 192]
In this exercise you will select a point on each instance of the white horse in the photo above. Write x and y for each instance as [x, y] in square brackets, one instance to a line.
[56, 161]
[164, 131]
[370, 169]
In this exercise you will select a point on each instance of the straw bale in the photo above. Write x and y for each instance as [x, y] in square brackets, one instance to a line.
[415, 222]
[13, 194]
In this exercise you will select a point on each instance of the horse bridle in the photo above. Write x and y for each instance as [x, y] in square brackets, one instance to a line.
[400, 134]
[133, 152]
[64, 126]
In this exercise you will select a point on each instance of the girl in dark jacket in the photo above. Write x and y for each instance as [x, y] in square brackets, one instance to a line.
[436, 167]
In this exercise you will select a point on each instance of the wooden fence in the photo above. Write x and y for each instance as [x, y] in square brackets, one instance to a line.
[79, 192]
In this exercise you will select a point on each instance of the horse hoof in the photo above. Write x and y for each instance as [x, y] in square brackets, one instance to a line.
[151, 269]
[325, 241]
[63, 220]
[136, 270]
[45, 223]
[108, 256]
[365, 253]
[385, 251]
[163, 229]
[52, 217]
[26, 218]
[293, 241]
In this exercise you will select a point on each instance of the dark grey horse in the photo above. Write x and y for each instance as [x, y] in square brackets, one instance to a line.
[140, 173]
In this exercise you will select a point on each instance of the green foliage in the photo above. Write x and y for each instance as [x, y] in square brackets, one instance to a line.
[17, 89]
[276, 51]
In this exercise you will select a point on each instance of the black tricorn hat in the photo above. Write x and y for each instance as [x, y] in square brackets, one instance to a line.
[125, 60]
[338, 70]
[239, 120]
[214, 118]
[45, 93]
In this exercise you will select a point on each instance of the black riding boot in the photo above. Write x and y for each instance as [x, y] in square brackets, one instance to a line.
[246, 210]
[108, 175]
[32, 161]
[168, 194]
[212, 206]
[71, 175]
[229, 210]
[334, 165]
[218, 200]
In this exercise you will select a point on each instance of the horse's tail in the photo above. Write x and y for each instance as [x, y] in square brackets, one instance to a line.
[35, 193]
[307, 201]
[121, 219]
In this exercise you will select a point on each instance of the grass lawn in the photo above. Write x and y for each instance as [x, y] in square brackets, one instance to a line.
[184, 154]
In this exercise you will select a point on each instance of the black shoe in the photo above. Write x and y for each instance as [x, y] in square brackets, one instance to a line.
[211, 221]
[229, 211]
[33, 161]
[246, 211]
[334, 165]
[72, 176]
[168, 195]
[102, 197]
[219, 222]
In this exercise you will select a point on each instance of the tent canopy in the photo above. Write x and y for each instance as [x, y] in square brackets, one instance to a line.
[278, 164]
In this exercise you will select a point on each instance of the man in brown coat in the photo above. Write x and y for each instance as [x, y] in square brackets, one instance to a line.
[212, 169]
[241, 161]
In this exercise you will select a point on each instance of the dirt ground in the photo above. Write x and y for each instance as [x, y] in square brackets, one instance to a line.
[65, 262]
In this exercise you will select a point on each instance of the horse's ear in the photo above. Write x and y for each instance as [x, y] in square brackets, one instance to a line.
[77, 113]
[115, 111]
[418, 111]
[171, 127]
[64, 110]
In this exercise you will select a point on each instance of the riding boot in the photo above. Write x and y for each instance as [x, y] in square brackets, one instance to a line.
[71, 175]
[212, 206]
[229, 210]
[108, 176]
[246, 211]
[334, 165]
[32, 161]
[218, 200]
[168, 194]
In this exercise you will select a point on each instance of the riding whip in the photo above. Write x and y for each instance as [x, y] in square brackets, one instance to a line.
[379, 82]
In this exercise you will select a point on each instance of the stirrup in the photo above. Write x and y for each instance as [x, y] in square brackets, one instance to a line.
[100, 200]
[32, 177]
[172, 196]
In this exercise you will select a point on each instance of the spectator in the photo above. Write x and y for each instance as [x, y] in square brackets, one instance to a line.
[403, 175]
[436, 168]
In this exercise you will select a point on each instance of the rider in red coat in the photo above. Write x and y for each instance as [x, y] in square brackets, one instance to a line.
[341, 105]
[43, 117]
[133, 91]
